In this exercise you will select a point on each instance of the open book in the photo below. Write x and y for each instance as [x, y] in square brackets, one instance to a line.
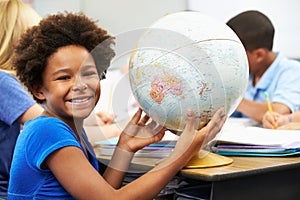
[242, 139]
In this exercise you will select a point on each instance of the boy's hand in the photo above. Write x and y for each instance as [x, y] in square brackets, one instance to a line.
[290, 126]
[279, 120]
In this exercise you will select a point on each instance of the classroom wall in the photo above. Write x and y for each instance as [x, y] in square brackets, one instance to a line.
[285, 16]
[116, 16]
[46, 7]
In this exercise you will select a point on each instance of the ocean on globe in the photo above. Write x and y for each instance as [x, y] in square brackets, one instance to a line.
[188, 60]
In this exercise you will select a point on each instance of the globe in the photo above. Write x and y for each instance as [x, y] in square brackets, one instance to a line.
[187, 60]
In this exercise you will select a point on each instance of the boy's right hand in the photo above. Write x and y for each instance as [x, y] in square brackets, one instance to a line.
[279, 120]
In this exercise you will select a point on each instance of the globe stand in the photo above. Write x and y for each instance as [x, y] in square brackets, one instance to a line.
[207, 159]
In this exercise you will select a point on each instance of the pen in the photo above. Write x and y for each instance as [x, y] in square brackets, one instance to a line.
[270, 107]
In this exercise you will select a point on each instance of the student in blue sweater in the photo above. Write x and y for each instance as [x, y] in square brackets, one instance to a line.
[60, 61]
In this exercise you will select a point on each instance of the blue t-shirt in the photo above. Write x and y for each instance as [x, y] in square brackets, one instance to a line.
[281, 81]
[14, 101]
[40, 137]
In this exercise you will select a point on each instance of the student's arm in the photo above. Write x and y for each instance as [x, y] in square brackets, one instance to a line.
[295, 117]
[32, 112]
[82, 181]
[135, 136]
[256, 110]
[187, 145]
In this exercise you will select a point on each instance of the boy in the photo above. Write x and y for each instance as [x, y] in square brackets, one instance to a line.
[269, 71]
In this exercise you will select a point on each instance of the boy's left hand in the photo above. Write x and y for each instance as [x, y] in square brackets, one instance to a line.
[290, 126]
[138, 133]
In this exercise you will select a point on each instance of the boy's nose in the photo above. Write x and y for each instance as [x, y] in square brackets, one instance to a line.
[80, 85]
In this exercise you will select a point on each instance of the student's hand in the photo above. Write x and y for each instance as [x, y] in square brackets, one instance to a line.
[279, 120]
[191, 140]
[100, 118]
[105, 118]
[138, 133]
[290, 126]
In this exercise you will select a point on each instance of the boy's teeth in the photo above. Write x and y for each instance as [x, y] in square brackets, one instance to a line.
[79, 100]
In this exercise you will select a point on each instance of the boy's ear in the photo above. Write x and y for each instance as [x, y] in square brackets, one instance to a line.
[37, 92]
[260, 54]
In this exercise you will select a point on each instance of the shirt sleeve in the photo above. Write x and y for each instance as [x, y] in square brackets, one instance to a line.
[287, 91]
[46, 137]
[14, 99]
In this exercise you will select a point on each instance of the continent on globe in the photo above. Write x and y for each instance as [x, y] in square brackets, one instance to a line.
[188, 60]
[165, 85]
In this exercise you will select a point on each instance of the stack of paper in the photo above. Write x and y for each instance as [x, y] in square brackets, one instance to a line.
[242, 140]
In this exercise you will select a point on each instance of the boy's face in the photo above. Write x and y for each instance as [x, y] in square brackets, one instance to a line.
[71, 86]
[256, 60]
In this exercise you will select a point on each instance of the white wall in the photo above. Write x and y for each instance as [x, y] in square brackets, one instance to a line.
[45, 7]
[116, 16]
[285, 16]
[124, 15]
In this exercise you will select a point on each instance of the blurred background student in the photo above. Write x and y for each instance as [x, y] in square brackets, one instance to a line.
[16, 105]
[270, 71]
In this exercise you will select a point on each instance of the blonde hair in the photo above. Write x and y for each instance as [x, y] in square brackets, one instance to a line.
[15, 17]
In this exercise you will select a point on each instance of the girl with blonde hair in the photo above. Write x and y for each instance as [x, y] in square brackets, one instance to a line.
[15, 18]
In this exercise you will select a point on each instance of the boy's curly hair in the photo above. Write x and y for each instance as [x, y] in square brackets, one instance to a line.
[59, 30]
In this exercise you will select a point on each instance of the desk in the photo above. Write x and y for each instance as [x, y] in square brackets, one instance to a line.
[252, 178]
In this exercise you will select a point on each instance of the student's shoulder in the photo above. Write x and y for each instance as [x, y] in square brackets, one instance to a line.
[5, 76]
[45, 123]
[290, 64]
[45, 128]
[288, 69]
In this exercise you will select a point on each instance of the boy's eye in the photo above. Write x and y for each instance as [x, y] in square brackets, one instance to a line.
[63, 78]
[89, 73]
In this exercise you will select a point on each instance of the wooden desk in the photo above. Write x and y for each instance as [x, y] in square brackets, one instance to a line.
[252, 178]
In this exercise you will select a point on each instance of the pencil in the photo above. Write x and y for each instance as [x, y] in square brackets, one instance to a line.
[270, 107]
